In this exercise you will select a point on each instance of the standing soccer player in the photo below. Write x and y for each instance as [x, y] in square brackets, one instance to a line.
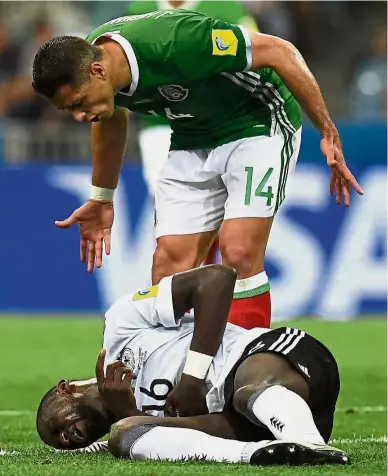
[235, 140]
[155, 133]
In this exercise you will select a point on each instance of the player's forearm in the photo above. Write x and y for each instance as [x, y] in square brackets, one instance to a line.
[108, 147]
[285, 59]
[209, 290]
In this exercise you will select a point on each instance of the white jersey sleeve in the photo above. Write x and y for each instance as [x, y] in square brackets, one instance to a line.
[155, 304]
[145, 309]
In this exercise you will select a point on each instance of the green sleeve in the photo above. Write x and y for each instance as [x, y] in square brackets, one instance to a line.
[204, 47]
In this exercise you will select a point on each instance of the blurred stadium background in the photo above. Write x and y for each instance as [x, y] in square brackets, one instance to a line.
[323, 260]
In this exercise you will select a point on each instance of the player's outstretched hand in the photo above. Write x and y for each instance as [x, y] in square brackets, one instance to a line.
[188, 398]
[115, 387]
[95, 220]
[341, 179]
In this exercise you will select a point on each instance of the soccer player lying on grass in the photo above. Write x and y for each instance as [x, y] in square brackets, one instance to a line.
[271, 394]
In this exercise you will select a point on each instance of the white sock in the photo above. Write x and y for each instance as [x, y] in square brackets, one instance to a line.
[248, 287]
[174, 444]
[286, 415]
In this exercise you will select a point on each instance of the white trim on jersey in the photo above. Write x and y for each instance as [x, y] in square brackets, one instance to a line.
[276, 98]
[240, 82]
[287, 341]
[164, 305]
[131, 57]
[187, 5]
[248, 46]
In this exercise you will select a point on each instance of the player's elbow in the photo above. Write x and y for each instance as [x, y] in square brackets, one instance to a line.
[269, 51]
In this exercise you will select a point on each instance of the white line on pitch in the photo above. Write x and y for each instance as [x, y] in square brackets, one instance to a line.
[16, 412]
[360, 439]
[377, 409]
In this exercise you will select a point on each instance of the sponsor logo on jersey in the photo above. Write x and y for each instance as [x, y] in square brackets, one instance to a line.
[146, 293]
[174, 92]
[224, 43]
[127, 357]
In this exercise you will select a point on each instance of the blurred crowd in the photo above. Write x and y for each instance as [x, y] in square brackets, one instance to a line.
[344, 43]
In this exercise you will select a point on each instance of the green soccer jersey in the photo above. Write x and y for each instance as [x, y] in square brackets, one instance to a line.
[232, 11]
[195, 71]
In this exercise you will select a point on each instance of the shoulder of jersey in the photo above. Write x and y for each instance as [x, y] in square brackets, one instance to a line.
[146, 293]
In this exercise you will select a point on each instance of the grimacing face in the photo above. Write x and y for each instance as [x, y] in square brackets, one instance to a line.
[75, 418]
[93, 101]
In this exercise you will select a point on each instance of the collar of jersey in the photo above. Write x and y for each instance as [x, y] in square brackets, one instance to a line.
[188, 5]
[131, 57]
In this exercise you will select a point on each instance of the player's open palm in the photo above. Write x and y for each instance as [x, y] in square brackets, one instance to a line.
[95, 220]
[341, 180]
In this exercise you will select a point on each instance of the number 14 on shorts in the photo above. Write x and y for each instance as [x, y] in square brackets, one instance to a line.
[259, 192]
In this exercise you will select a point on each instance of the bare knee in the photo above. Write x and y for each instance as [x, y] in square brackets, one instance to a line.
[116, 433]
[242, 399]
[167, 262]
[119, 429]
[242, 258]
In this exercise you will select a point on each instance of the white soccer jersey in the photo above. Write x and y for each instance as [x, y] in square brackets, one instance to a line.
[141, 331]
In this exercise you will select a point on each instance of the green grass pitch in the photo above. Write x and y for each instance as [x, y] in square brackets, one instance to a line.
[36, 353]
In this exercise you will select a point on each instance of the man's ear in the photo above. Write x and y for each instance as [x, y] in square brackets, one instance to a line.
[98, 70]
[63, 386]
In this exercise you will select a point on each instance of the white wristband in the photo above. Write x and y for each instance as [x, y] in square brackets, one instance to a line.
[197, 365]
[102, 194]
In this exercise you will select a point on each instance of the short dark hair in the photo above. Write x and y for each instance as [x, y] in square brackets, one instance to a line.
[41, 414]
[62, 60]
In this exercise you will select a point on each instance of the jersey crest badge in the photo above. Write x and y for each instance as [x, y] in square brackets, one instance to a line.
[127, 358]
[173, 92]
[146, 293]
[224, 43]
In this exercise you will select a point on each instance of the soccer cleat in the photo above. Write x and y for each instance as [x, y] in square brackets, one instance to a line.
[296, 454]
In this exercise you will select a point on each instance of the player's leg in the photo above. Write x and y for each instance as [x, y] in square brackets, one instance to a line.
[182, 439]
[211, 437]
[154, 143]
[243, 242]
[290, 384]
[257, 173]
[189, 208]
[212, 256]
[177, 253]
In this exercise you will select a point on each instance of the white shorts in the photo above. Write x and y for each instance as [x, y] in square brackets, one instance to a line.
[247, 178]
[154, 145]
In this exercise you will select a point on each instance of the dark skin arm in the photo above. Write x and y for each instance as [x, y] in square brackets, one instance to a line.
[209, 290]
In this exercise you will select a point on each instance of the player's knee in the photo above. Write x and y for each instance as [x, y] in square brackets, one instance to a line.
[242, 258]
[167, 261]
[125, 434]
[116, 433]
[244, 396]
